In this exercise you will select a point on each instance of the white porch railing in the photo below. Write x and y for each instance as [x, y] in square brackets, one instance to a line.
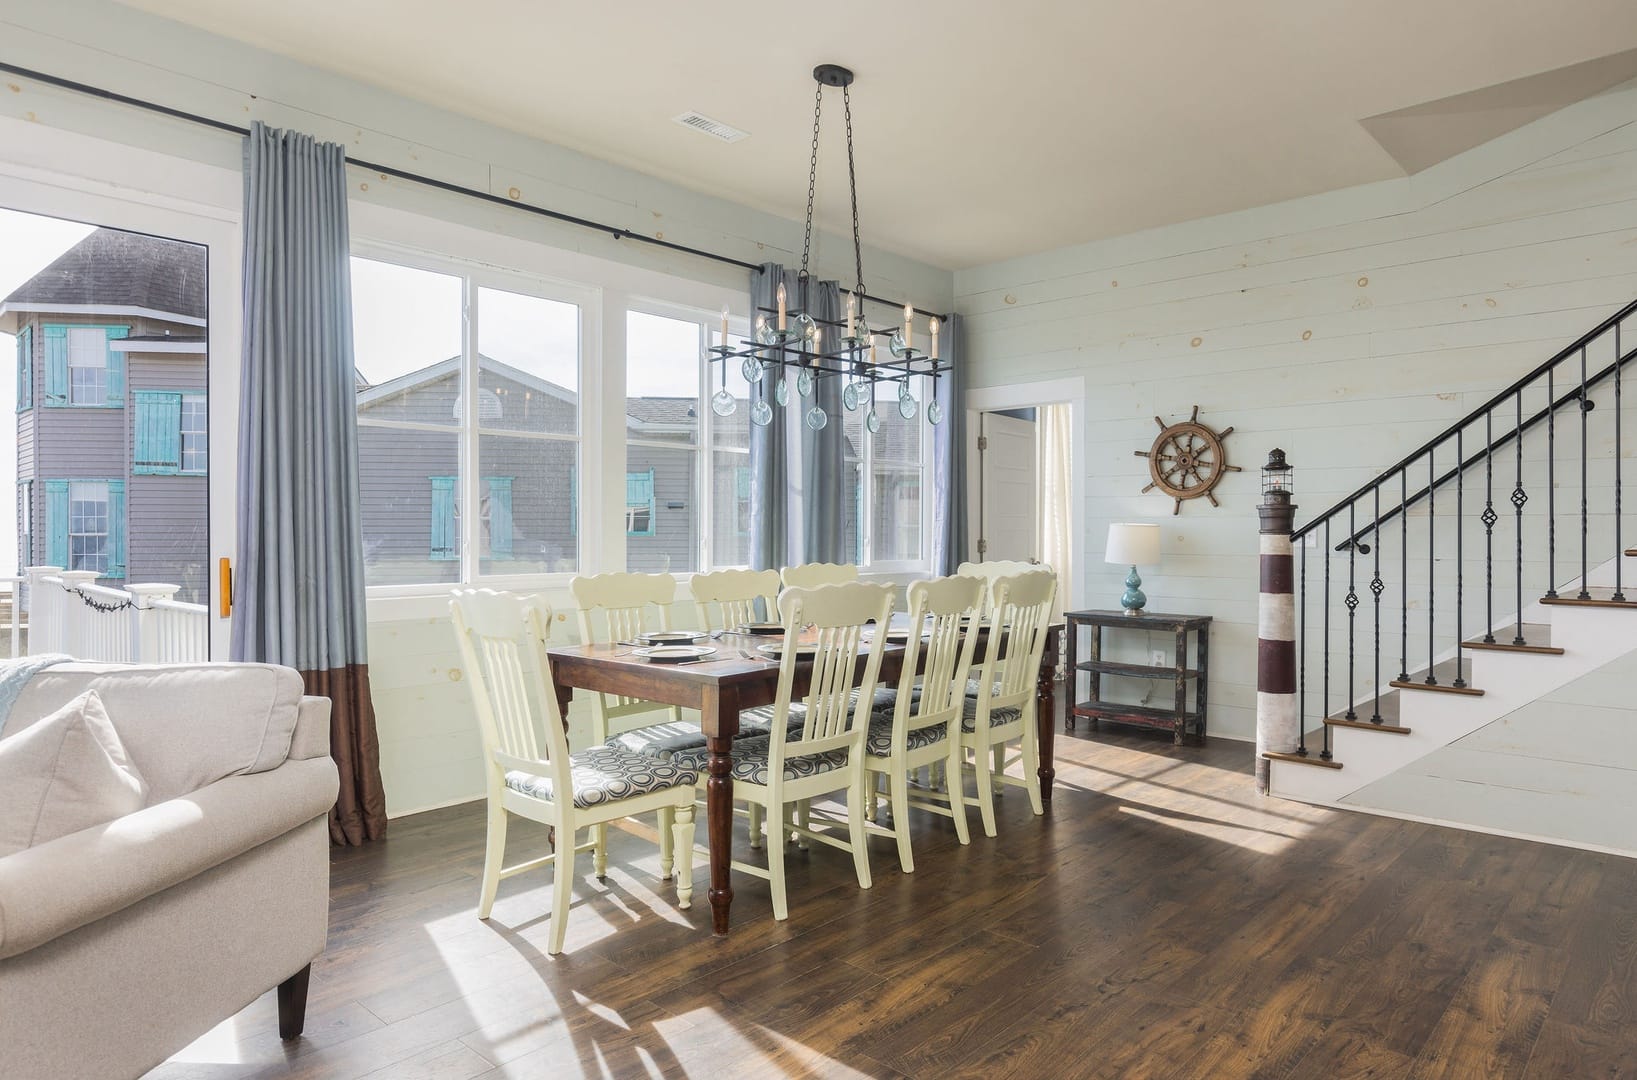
[13, 601]
[69, 613]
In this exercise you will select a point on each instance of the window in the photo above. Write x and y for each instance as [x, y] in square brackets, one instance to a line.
[86, 524]
[730, 466]
[87, 366]
[82, 366]
[25, 525]
[424, 521]
[662, 423]
[25, 369]
[885, 471]
[171, 437]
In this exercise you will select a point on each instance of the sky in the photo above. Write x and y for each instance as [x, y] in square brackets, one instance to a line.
[28, 244]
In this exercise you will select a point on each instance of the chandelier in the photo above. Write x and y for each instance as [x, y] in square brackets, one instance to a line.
[784, 338]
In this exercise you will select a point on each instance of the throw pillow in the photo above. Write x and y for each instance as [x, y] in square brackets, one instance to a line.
[65, 773]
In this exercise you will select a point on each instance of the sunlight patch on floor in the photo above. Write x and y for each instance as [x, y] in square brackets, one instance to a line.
[218, 1046]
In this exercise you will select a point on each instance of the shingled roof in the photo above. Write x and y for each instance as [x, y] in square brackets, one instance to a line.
[114, 268]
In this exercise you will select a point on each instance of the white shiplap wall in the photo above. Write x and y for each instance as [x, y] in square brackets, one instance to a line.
[1347, 328]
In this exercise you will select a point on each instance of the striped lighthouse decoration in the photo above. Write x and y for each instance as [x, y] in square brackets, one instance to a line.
[1278, 721]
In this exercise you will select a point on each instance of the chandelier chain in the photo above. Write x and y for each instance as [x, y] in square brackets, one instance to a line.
[812, 181]
[852, 187]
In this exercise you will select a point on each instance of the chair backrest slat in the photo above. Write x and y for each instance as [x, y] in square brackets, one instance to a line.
[1020, 609]
[735, 595]
[992, 571]
[626, 603]
[938, 609]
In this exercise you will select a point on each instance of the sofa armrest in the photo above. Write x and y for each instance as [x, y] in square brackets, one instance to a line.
[312, 734]
[53, 888]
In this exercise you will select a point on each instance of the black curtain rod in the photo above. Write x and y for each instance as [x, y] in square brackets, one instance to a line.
[615, 231]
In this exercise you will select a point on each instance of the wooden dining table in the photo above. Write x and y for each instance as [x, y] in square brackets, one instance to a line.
[738, 677]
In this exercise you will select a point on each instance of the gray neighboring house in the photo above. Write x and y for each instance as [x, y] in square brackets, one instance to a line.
[112, 378]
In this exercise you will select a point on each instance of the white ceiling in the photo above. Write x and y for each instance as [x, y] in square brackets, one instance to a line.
[985, 130]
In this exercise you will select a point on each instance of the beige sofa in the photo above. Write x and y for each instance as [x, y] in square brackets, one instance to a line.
[120, 944]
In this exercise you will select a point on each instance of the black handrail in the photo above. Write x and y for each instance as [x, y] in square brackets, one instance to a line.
[1516, 432]
[1477, 414]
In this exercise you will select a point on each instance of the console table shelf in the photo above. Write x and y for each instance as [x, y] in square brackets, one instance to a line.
[1179, 718]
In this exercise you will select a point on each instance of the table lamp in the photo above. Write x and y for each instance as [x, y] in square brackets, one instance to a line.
[1133, 545]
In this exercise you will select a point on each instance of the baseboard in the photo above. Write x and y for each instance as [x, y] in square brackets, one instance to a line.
[434, 806]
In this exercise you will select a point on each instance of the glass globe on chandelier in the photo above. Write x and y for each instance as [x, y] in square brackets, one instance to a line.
[783, 338]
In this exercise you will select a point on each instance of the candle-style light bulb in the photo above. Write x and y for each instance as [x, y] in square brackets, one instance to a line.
[852, 308]
[909, 324]
[724, 325]
[781, 305]
[933, 325]
[872, 348]
[818, 340]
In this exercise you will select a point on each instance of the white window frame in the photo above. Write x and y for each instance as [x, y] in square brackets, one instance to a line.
[201, 402]
[77, 489]
[79, 334]
[867, 461]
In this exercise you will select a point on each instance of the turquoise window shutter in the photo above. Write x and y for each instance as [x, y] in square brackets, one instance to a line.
[116, 365]
[25, 369]
[116, 529]
[445, 534]
[56, 365]
[158, 433]
[56, 523]
[500, 517]
[639, 493]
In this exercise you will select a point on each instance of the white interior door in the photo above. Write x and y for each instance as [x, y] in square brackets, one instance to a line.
[1008, 489]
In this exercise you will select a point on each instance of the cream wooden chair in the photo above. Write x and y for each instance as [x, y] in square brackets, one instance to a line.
[923, 728]
[990, 572]
[734, 594]
[618, 607]
[813, 574]
[1001, 700]
[529, 771]
[826, 754]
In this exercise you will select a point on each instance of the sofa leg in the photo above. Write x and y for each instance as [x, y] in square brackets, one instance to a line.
[293, 1004]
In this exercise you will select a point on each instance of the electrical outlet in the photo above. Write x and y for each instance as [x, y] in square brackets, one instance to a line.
[1157, 657]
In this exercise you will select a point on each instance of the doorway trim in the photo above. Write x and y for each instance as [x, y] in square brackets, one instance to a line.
[1070, 392]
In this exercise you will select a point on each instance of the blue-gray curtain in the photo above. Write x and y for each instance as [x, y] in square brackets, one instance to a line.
[298, 589]
[949, 507]
[771, 545]
[824, 518]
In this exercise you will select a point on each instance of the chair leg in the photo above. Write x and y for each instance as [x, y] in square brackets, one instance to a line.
[872, 791]
[999, 753]
[667, 815]
[1031, 769]
[599, 854]
[900, 818]
[755, 810]
[684, 844]
[775, 870]
[803, 821]
[293, 1004]
[956, 793]
[494, 854]
[857, 838]
[986, 789]
[562, 890]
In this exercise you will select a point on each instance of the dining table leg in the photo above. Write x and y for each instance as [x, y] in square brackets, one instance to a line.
[1046, 712]
[719, 803]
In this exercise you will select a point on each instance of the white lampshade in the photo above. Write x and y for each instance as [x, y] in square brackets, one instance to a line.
[1132, 544]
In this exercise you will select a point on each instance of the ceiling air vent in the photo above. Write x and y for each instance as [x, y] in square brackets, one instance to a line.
[714, 128]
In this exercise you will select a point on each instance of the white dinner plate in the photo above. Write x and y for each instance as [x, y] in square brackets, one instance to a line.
[671, 637]
[776, 649]
[673, 654]
[762, 628]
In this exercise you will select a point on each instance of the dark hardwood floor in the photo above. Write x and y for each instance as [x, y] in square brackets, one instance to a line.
[1160, 921]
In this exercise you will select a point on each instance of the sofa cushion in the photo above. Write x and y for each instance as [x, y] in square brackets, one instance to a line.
[184, 726]
[64, 773]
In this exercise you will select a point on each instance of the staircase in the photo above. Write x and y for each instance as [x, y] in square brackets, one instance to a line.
[1484, 571]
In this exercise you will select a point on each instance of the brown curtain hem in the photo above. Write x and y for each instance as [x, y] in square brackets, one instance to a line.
[359, 814]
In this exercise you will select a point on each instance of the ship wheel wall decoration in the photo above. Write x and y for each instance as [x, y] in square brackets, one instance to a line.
[1187, 460]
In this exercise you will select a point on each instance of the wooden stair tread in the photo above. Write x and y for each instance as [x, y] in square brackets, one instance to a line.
[1600, 597]
[1365, 709]
[1445, 673]
[1367, 725]
[1535, 638]
[1311, 759]
[1631, 551]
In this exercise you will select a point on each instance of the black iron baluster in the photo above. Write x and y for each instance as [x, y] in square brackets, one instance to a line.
[1489, 518]
[1551, 485]
[1619, 550]
[1519, 497]
[1376, 588]
[1432, 567]
[1352, 606]
[1460, 556]
[1404, 574]
[1585, 501]
[1301, 663]
[1325, 752]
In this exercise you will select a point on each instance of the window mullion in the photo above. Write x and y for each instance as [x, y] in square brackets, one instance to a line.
[468, 496]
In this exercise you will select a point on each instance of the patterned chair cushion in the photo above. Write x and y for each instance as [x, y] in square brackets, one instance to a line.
[661, 741]
[760, 719]
[697, 758]
[878, 743]
[997, 717]
[605, 774]
[752, 765]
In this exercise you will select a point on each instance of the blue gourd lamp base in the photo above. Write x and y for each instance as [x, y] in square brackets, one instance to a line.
[1132, 600]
